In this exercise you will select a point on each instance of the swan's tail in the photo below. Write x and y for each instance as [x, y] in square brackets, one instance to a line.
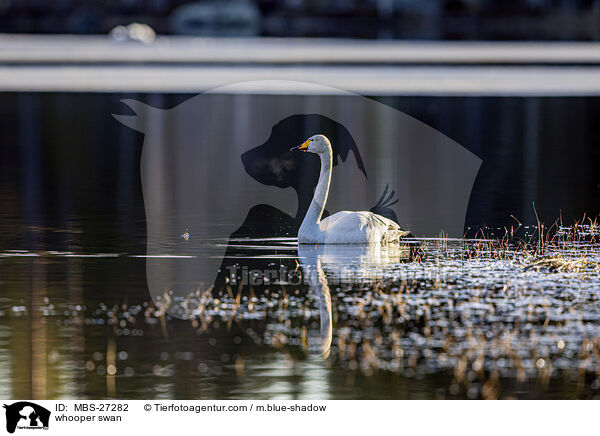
[395, 236]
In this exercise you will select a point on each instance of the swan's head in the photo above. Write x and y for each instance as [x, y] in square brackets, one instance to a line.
[315, 144]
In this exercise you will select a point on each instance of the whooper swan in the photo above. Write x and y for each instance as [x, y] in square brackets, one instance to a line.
[342, 227]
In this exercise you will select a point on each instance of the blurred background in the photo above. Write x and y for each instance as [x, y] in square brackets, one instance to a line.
[423, 19]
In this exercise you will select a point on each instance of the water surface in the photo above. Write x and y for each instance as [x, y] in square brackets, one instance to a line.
[433, 319]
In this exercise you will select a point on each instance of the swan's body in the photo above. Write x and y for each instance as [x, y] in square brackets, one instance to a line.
[343, 227]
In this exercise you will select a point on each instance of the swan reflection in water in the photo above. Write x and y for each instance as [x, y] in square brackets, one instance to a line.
[346, 265]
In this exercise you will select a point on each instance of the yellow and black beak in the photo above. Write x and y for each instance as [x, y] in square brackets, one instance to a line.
[302, 147]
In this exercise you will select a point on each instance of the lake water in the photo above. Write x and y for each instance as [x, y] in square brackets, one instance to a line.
[436, 319]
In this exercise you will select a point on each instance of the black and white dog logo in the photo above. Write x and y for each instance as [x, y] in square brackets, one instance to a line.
[26, 415]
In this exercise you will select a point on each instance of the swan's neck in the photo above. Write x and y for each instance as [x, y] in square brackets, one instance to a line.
[317, 205]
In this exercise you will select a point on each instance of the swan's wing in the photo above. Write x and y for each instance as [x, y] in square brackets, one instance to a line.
[384, 204]
[360, 227]
[345, 221]
[335, 219]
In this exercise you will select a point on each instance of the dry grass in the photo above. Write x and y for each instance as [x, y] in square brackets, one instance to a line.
[562, 264]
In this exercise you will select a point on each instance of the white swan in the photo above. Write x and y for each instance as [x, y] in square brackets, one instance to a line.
[343, 227]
